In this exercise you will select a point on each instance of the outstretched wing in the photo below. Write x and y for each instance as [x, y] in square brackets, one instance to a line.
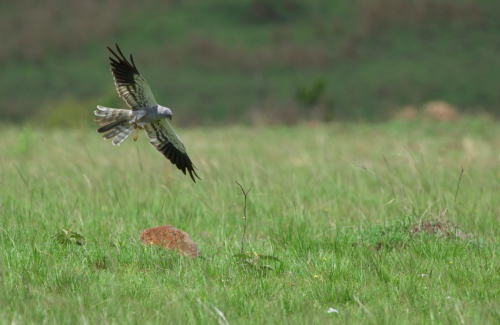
[131, 86]
[164, 139]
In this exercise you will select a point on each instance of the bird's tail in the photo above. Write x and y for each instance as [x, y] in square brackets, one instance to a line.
[114, 123]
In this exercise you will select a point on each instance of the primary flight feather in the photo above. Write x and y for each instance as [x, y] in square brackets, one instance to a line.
[145, 113]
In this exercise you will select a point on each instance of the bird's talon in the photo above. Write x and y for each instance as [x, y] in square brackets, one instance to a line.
[136, 127]
[137, 134]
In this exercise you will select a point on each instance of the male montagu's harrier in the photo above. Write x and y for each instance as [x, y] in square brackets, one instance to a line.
[145, 113]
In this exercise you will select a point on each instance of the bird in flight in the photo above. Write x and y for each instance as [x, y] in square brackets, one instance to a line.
[145, 113]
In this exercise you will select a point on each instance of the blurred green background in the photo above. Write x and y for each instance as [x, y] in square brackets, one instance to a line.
[251, 61]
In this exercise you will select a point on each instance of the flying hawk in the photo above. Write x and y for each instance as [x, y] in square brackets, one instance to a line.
[145, 114]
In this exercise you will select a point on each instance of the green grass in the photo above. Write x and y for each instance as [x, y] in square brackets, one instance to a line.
[344, 236]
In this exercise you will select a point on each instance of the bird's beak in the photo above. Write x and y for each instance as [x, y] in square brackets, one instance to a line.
[170, 117]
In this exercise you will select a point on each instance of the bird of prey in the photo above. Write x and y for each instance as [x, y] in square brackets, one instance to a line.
[145, 113]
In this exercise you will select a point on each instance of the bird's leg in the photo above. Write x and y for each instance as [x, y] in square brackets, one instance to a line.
[136, 126]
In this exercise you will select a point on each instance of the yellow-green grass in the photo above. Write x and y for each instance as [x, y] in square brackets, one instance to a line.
[345, 237]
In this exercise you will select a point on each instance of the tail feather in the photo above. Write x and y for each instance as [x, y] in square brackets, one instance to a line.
[124, 132]
[110, 126]
[115, 122]
[112, 133]
[108, 115]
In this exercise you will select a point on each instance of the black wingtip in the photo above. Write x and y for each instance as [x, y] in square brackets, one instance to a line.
[120, 59]
[132, 60]
[120, 51]
[112, 52]
[178, 159]
[123, 71]
[192, 171]
[109, 49]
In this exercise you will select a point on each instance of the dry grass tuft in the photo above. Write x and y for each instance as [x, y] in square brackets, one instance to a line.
[441, 111]
[407, 113]
[439, 227]
[438, 110]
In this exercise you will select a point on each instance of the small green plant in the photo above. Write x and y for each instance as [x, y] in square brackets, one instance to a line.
[310, 96]
[67, 236]
[315, 103]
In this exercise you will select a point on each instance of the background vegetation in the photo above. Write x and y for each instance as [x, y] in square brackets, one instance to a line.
[222, 61]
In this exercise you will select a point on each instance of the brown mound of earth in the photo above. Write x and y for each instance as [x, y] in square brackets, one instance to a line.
[438, 227]
[441, 111]
[169, 237]
[407, 113]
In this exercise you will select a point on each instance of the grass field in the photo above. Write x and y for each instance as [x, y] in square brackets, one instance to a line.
[347, 239]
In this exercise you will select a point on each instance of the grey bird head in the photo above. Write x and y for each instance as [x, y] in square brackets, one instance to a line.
[165, 112]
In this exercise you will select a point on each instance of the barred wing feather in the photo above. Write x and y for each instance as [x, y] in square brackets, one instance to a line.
[164, 139]
[131, 86]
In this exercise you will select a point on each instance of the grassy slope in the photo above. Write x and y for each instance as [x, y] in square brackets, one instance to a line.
[305, 184]
[368, 72]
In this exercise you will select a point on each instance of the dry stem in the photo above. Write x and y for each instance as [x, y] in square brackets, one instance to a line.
[244, 212]
[458, 186]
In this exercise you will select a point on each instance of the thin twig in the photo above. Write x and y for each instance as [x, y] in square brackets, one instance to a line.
[86, 251]
[25, 182]
[364, 168]
[244, 213]
[39, 251]
[221, 314]
[13, 243]
[161, 268]
[459, 314]
[88, 154]
[458, 186]
[139, 156]
[220, 320]
[395, 177]
[82, 310]
[102, 302]
[76, 203]
[361, 305]
[392, 187]
[22, 177]
[117, 199]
